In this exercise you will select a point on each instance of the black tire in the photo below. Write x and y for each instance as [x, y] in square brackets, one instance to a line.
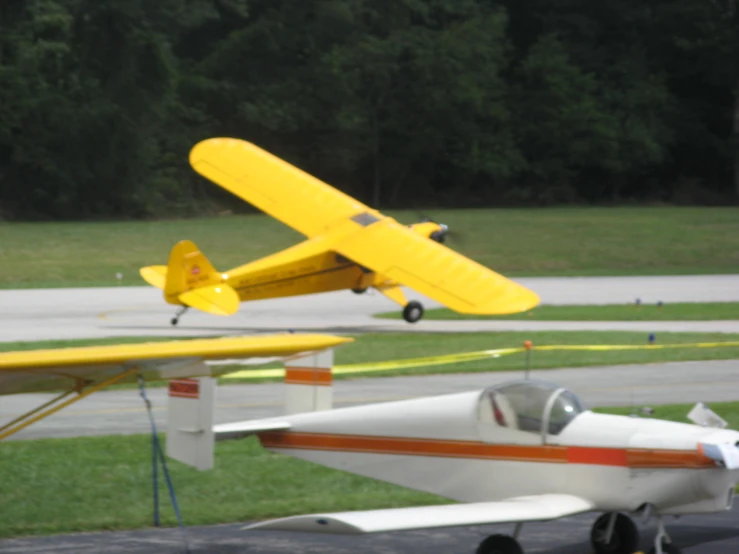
[413, 311]
[667, 548]
[624, 540]
[359, 291]
[499, 544]
[173, 321]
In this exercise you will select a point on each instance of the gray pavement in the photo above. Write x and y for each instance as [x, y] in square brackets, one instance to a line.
[45, 314]
[699, 534]
[122, 411]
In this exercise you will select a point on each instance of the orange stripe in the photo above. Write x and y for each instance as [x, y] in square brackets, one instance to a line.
[413, 447]
[308, 376]
[616, 457]
[642, 458]
[597, 456]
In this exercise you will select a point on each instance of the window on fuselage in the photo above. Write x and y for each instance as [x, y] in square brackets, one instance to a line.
[565, 408]
[522, 406]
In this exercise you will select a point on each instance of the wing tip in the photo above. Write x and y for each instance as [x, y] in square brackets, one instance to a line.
[198, 151]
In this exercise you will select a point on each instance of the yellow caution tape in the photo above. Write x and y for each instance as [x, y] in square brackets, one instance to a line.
[462, 357]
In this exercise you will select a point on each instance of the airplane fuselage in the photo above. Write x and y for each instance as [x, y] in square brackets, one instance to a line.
[443, 446]
[306, 268]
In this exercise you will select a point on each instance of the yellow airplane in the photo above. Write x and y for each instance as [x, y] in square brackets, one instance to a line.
[79, 372]
[349, 246]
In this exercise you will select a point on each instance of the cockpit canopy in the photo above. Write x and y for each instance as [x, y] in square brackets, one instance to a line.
[536, 406]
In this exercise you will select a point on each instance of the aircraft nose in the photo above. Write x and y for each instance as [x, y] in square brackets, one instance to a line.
[726, 454]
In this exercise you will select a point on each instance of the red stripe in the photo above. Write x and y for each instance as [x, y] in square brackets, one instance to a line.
[184, 388]
[596, 456]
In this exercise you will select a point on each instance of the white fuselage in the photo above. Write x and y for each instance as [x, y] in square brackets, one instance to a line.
[450, 446]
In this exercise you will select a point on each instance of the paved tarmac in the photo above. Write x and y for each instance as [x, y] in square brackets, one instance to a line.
[700, 534]
[122, 411]
[45, 314]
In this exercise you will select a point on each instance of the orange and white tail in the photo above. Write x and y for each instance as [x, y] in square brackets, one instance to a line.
[190, 279]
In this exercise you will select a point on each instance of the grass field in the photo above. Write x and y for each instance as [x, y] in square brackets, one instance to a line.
[556, 241]
[102, 483]
[375, 347]
[616, 312]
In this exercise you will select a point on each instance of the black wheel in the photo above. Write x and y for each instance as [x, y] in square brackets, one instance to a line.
[359, 291]
[174, 321]
[499, 544]
[667, 548]
[413, 311]
[624, 539]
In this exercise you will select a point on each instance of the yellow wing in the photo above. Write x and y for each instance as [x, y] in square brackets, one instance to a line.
[65, 368]
[393, 250]
[279, 189]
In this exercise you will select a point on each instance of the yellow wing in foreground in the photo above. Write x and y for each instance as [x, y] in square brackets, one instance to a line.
[63, 368]
[279, 189]
[393, 250]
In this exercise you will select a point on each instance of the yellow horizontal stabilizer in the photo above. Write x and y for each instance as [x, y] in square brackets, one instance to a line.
[214, 299]
[155, 275]
[395, 251]
[56, 369]
[279, 189]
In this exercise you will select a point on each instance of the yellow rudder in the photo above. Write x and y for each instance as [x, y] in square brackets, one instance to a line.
[193, 281]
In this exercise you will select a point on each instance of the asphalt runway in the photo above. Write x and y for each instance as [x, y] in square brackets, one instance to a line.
[46, 314]
[700, 534]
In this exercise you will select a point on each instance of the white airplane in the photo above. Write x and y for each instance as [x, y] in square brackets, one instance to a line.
[512, 453]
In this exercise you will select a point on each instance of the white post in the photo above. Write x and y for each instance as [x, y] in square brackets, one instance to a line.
[308, 383]
[190, 421]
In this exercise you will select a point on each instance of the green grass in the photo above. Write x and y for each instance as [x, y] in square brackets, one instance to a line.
[616, 312]
[103, 483]
[374, 347]
[556, 241]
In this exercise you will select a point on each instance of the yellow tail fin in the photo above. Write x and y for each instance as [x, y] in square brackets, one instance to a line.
[193, 281]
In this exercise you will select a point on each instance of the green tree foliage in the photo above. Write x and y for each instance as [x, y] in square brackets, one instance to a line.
[403, 103]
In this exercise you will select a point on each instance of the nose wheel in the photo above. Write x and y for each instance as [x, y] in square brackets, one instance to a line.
[499, 544]
[662, 542]
[413, 311]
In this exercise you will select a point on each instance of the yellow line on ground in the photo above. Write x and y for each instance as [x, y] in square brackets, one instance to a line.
[463, 357]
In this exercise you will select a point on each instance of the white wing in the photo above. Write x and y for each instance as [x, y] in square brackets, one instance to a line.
[241, 429]
[523, 508]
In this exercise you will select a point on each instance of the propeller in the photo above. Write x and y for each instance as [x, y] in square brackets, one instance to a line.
[442, 234]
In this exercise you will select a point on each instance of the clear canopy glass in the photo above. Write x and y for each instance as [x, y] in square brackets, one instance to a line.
[535, 406]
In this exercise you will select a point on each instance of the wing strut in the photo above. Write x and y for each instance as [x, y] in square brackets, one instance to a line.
[29, 418]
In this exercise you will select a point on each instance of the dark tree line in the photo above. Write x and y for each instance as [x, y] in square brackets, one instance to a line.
[403, 103]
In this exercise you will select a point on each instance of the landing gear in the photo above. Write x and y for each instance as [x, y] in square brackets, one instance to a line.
[500, 544]
[614, 533]
[359, 291]
[662, 542]
[413, 311]
[177, 316]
